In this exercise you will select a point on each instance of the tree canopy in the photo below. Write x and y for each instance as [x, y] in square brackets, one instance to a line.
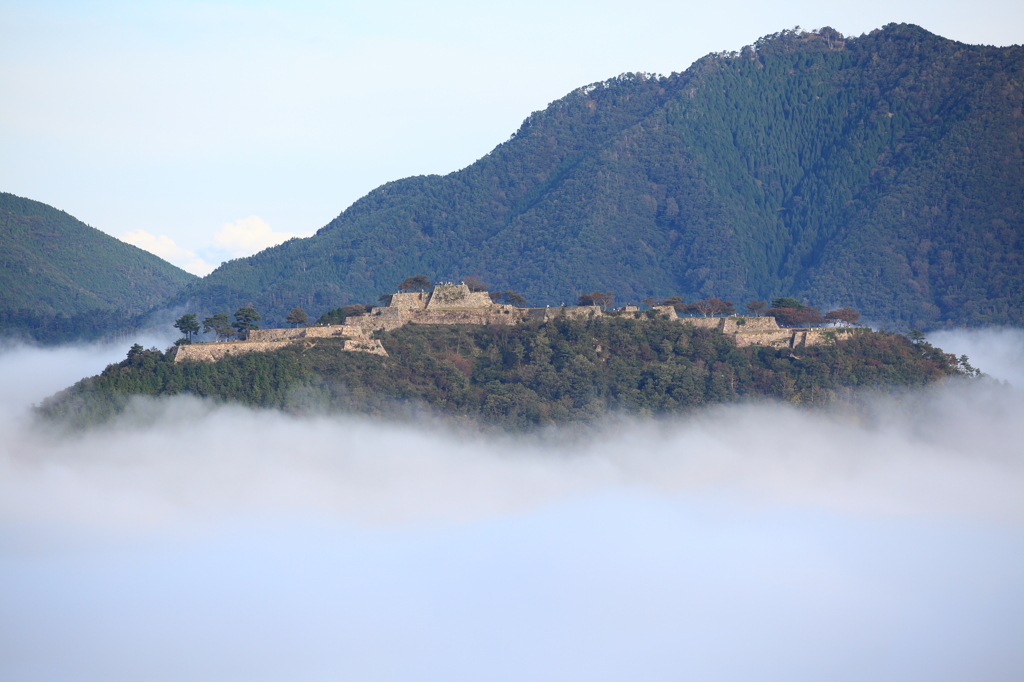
[524, 375]
[418, 282]
[245, 319]
[884, 170]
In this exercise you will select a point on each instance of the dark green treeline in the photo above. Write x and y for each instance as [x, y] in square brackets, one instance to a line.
[521, 376]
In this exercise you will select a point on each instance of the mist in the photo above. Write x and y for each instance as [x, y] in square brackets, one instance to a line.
[188, 540]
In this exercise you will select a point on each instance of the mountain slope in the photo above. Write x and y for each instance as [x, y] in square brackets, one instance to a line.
[884, 172]
[62, 279]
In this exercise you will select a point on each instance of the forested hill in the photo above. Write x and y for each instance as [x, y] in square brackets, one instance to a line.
[524, 375]
[63, 280]
[883, 172]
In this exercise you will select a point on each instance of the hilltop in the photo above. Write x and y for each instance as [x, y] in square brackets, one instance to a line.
[884, 172]
[520, 376]
[63, 280]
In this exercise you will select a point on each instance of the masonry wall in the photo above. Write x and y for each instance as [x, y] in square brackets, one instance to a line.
[705, 322]
[355, 339]
[409, 300]
[749, 324]
[211, 352]
[372, 346]
[304, 333]
[571, 312]
[457, 296]
[275, 334]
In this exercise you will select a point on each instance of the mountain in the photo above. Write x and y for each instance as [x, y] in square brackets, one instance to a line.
[63, 280]
[523, 375]
[884, 172]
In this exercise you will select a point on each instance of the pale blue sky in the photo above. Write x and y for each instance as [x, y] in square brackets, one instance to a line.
[179, 118]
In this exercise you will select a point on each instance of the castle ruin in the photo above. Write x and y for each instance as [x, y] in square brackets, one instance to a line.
[450, 304]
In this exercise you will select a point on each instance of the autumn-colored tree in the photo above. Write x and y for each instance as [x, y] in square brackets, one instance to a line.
[807, 316]
[756, 308]
[420, 282]
[723, 307]
[711, 307]
[786, 311]
[846, 316]
[514, 298]
[601, 298]
[677, 303]
[804, 316]
[474, 283]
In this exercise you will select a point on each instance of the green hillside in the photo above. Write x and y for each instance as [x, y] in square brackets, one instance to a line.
[61, 279]
[883, 172]
[521, 376]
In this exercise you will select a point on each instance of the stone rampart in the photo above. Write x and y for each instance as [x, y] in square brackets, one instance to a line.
[380, 318]
[409, 300]
[372, 346]
[353, 338]
[667, 311]
[457, 296]
[732, 325]
[211, 352]
[704, 322]
[572, 312]
[781, 338]
[275, 334]
[304, 333]
[456, 304]
[337, 330]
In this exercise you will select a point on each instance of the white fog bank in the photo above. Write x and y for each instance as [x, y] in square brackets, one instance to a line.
[189, 541]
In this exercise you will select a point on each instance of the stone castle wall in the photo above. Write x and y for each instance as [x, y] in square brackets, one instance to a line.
[450, 304]
[275, 334]
[338, 330]
[372, 346]
[732, 325]
[704, 322]
[571, 312]
[409, 300]
[389, 319]
[457, 296]
[354, 339]
[211, 352]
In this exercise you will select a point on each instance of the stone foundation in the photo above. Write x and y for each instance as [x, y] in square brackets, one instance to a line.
[354, 339]
[211, 352]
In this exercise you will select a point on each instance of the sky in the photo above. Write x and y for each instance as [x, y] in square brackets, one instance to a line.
[203, 542]
[204, 131]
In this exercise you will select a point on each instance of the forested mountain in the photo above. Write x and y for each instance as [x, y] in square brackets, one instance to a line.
[883, 172]
[61, 279]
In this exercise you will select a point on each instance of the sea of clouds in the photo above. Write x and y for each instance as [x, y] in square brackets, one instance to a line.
[194, 541]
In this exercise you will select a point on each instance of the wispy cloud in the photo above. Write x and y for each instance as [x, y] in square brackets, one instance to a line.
[247, 236]
[164, 247]
[244, 237]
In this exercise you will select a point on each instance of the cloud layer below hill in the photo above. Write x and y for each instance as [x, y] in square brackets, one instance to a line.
[743, 542]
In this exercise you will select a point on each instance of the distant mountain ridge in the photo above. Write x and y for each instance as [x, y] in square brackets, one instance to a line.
[61, 279]
[883, 172]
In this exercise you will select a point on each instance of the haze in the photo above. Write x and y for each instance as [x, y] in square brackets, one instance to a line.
[202, 542]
